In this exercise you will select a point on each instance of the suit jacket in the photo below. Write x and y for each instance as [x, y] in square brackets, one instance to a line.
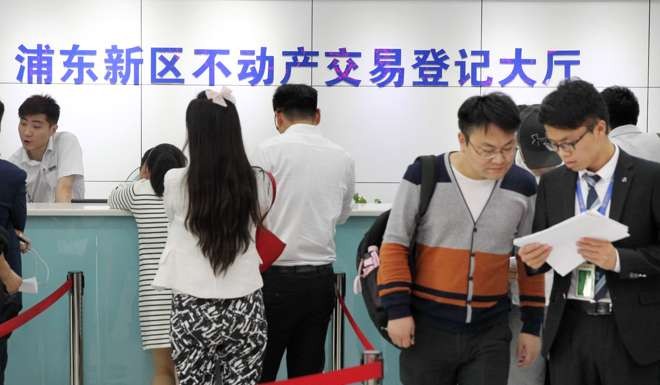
[635, 290]
[12, 216]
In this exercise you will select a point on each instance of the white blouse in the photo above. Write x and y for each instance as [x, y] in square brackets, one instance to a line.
[184, 268]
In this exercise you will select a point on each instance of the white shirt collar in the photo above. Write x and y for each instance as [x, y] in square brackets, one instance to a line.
[304, 129]
[607, 171]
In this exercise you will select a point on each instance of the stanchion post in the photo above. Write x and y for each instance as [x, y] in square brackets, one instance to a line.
[75, 327]
[368, 357]
[338, 325]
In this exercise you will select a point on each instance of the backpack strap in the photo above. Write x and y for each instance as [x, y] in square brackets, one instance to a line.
[428, 185]
[426, 193]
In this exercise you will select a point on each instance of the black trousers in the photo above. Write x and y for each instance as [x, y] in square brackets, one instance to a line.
[439, 357]
[299, 305]
[588, 350]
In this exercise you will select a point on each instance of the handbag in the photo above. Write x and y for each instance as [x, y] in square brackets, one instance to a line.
[269, 246]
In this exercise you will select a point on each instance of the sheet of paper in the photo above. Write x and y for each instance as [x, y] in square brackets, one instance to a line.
[563, 238]
[29, 286]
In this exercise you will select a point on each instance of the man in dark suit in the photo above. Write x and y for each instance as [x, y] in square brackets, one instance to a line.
[603, 321]
[12, 220]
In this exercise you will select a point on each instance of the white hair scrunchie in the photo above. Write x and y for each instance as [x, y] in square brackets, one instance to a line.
[221, 97]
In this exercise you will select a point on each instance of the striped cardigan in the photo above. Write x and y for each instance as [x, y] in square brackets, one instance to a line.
[461, 268]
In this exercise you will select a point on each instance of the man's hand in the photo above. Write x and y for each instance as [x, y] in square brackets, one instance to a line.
[535, 254]
[24, 242]
[12, 282]
[402, 331]
[529, 347]
[599, 252]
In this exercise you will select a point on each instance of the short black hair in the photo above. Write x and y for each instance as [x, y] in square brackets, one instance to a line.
[296, 101]
[622, 105]
[497, 108]
[573, 104]
[159, 160]
[40, 104]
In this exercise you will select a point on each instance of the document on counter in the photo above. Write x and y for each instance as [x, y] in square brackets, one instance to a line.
[563, 238]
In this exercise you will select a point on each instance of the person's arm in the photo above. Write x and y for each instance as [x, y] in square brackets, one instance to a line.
[19, 207]
[18, 212]
[69, 166]
[9, 278]
[394, 276]
[348, 196]
[121, 197]
[643, 260]
[64, 189]
[535, 255]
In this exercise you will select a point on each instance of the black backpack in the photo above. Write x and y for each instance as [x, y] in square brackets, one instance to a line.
[374, 237]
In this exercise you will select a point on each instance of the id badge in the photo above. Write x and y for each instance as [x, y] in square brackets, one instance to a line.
[586, 281]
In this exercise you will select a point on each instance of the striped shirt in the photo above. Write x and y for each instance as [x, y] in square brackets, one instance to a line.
[154, 306]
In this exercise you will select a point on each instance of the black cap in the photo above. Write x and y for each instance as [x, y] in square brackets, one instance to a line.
[531, 139]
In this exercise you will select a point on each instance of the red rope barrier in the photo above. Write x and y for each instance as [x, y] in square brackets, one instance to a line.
[338, 377]
[360, 335]
[351, 375]
[23, 318]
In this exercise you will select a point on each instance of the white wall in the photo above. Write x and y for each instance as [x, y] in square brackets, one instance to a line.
[384, 128]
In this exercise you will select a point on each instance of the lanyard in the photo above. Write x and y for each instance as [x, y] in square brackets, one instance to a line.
[606, 201]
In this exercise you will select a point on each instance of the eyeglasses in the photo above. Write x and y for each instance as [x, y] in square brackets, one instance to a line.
[506, 152]
[566, 146]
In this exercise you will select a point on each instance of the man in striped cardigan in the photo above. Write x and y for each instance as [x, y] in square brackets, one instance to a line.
[450, 315]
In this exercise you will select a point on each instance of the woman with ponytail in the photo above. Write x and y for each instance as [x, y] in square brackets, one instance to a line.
[210, 260]
[143, 198]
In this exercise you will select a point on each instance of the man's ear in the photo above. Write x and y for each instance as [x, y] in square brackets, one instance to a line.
[462, 141]
[317, 116]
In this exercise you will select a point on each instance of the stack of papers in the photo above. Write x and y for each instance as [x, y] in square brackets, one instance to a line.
[563, 238]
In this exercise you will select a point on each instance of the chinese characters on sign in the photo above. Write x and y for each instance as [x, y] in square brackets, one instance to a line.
[42, 64]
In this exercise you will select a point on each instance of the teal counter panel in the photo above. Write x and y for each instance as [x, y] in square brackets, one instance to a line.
[105, 249]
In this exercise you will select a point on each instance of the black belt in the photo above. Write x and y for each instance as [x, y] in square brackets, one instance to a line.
[301, 269]
[592, 308]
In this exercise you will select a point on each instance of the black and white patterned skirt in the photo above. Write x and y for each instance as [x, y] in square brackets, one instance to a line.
[218, 337]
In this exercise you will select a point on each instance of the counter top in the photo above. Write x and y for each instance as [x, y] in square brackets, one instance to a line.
[102, 210]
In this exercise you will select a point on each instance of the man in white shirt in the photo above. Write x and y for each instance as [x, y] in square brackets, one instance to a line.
[623, 109]
[51, 159]
[315, 184]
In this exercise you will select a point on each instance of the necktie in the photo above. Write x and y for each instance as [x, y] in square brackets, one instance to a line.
[592, 195]
[592, 201]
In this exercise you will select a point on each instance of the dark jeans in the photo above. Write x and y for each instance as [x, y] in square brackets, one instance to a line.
[298, 309]
[588, 350]
[439, 357]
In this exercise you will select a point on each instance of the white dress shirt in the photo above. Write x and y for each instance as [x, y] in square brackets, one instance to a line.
[63, 157]
[184, 268]
[315, 184]
[606, 174]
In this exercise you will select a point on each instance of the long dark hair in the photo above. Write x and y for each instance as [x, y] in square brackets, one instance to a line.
[159, 160]
[223, 203]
